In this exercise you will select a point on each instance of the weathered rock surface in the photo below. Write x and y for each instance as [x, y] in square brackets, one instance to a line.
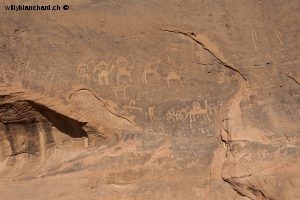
[150, 100]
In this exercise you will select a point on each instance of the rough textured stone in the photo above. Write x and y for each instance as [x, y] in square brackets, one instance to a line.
[150, 99]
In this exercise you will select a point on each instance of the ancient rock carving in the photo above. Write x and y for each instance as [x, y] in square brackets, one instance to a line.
[171, 115]
[120, 89]
[236, 57]
[131, 106]
[104, 71]
[204, 130]
[269, 55]
[12, 40]
[198, 110]
[173, 47]
[151, 113]
[24, 36]
[176, 115]
[149, 70]
[213, 108]
[279, 36]
[83, 70]
[173, 76]
[123, 69]
[199, 54]
[32, 75]
[181, 114]
[254, 38]
[221, 78]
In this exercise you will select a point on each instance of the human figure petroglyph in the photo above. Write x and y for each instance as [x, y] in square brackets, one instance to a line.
[24, 38]
[118, 89]
[173, 76]
[103, 69]
[83, 69]
[173, 47]
[151, 70]
[279, 36]
[123, 69]
[84, 73]
[269, 55]
[12, 40]
[151, 114]
[32, 75]
[199, 54]
[104, 75]
[221, 78]
[254, 38]
[198, 110]
[236, 57]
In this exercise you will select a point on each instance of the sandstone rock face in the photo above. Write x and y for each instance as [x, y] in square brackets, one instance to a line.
[149, 99]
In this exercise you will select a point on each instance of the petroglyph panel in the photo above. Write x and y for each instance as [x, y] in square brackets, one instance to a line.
[147, 100]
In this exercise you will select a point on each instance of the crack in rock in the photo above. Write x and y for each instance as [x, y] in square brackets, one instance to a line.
[294, 79]
[193, 37]
[22, 152]
[104, 103]
[247, 191]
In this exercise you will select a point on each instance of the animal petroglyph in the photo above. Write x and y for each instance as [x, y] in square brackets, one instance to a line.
[173, 76]
[254, 38]
[279, 36]
[103, 69]
[131, 106]
[123, 69]
[120, 89]
[176, 115]
[149, 70]
[171, 115]
[198, 110]
[214, 107]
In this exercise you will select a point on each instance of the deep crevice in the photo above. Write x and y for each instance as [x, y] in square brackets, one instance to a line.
[63, 123]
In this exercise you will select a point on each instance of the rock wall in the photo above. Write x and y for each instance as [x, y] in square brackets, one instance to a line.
[150, 99]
